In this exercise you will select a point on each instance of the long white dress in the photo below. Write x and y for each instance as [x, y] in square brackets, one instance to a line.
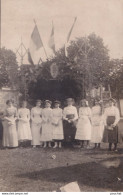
[10, 138]
[47, 128]
[97, 124]
[57, 124]
[84, 124]
[24, 131]
[36, 117]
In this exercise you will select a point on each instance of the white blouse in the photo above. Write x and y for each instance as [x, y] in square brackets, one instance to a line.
[112, 111]
[70, 110]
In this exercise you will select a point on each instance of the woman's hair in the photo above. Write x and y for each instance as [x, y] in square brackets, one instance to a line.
[38, 101]
[8, 101]
[23, 102]
[85, 101]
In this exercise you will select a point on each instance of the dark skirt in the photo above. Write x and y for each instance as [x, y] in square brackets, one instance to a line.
[111, 136]
[69, 131]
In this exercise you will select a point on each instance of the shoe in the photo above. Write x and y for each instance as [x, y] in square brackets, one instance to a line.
[55, 146]
[88, 147]
[34, 146]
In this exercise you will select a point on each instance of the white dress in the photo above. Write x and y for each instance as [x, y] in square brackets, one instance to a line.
[47, 128]
[57, 124]
[97, 125]
[10, 138]
[84, 124]
[24, 131]
[36, 117]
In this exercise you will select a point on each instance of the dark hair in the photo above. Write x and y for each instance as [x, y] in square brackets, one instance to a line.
[38, 101]
[8, 101]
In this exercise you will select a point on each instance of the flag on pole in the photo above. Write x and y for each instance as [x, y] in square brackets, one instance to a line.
[51, 42]
[35, 44]
[68, 36]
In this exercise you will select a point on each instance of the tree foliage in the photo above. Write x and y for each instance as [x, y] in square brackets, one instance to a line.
[8, 68]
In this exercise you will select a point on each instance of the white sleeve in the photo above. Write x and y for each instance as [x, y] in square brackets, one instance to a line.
[76, 114]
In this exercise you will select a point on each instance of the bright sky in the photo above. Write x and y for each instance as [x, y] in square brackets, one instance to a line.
[104, 17]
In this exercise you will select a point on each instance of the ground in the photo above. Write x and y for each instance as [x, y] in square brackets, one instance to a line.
[28, 169]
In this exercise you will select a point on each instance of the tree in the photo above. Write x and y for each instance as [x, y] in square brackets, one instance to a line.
[86, 66]
[8, 68]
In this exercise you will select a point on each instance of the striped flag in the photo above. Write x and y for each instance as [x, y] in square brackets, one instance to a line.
[68, 36]
[51, 42]
[35, 44]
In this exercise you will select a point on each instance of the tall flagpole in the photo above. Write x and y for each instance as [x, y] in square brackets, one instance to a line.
[42, 42]
[0, 24]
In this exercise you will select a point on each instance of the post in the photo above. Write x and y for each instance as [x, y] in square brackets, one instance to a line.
[0, 24]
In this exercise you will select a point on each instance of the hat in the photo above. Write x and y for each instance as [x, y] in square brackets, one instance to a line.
[57, 102]
[47, 101]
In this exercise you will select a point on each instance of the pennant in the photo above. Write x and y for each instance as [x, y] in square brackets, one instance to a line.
[68, 36]
[35, 44]
[51, 42]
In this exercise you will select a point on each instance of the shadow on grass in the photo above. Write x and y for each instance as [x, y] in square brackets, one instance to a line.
[92, 174]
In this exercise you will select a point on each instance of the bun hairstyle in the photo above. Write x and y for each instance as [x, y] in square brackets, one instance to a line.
[10, 101]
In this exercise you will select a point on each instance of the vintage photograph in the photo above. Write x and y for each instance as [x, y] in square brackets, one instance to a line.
[61, 96]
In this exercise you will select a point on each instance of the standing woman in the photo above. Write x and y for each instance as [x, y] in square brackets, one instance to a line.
[9, 126]
[24, 131]
[83, 132]
[97, 123]
[47, 130]
[36, 117]
[112, 117]
[70, 117]
[57, 125]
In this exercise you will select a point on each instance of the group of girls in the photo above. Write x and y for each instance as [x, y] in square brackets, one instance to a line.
[47, 125]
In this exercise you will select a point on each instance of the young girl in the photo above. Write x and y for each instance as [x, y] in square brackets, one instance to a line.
[97, 124]
[57, 125]
[112, 117]
[83, 132]
[36, 117]
[24, 131]
[47, 130]
[9, 126]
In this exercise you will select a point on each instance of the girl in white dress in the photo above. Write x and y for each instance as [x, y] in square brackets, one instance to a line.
[57, 125]
[24, 131]
[47, 128]
[9, 126]
[83, 132]
[97, 124]
[36, 118]
[112, 117]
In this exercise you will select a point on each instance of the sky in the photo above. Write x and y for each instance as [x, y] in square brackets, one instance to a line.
[103, 17]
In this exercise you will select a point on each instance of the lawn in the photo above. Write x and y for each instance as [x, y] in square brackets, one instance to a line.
[28, 169]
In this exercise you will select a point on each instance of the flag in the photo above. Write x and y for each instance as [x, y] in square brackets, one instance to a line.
[35, 44]
[51, 42]
[68, 36]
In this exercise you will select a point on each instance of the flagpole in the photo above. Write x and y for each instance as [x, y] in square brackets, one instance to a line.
[0, 24]
[42, 41]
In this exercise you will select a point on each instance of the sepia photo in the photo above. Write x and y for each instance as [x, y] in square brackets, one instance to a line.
[61, 96]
